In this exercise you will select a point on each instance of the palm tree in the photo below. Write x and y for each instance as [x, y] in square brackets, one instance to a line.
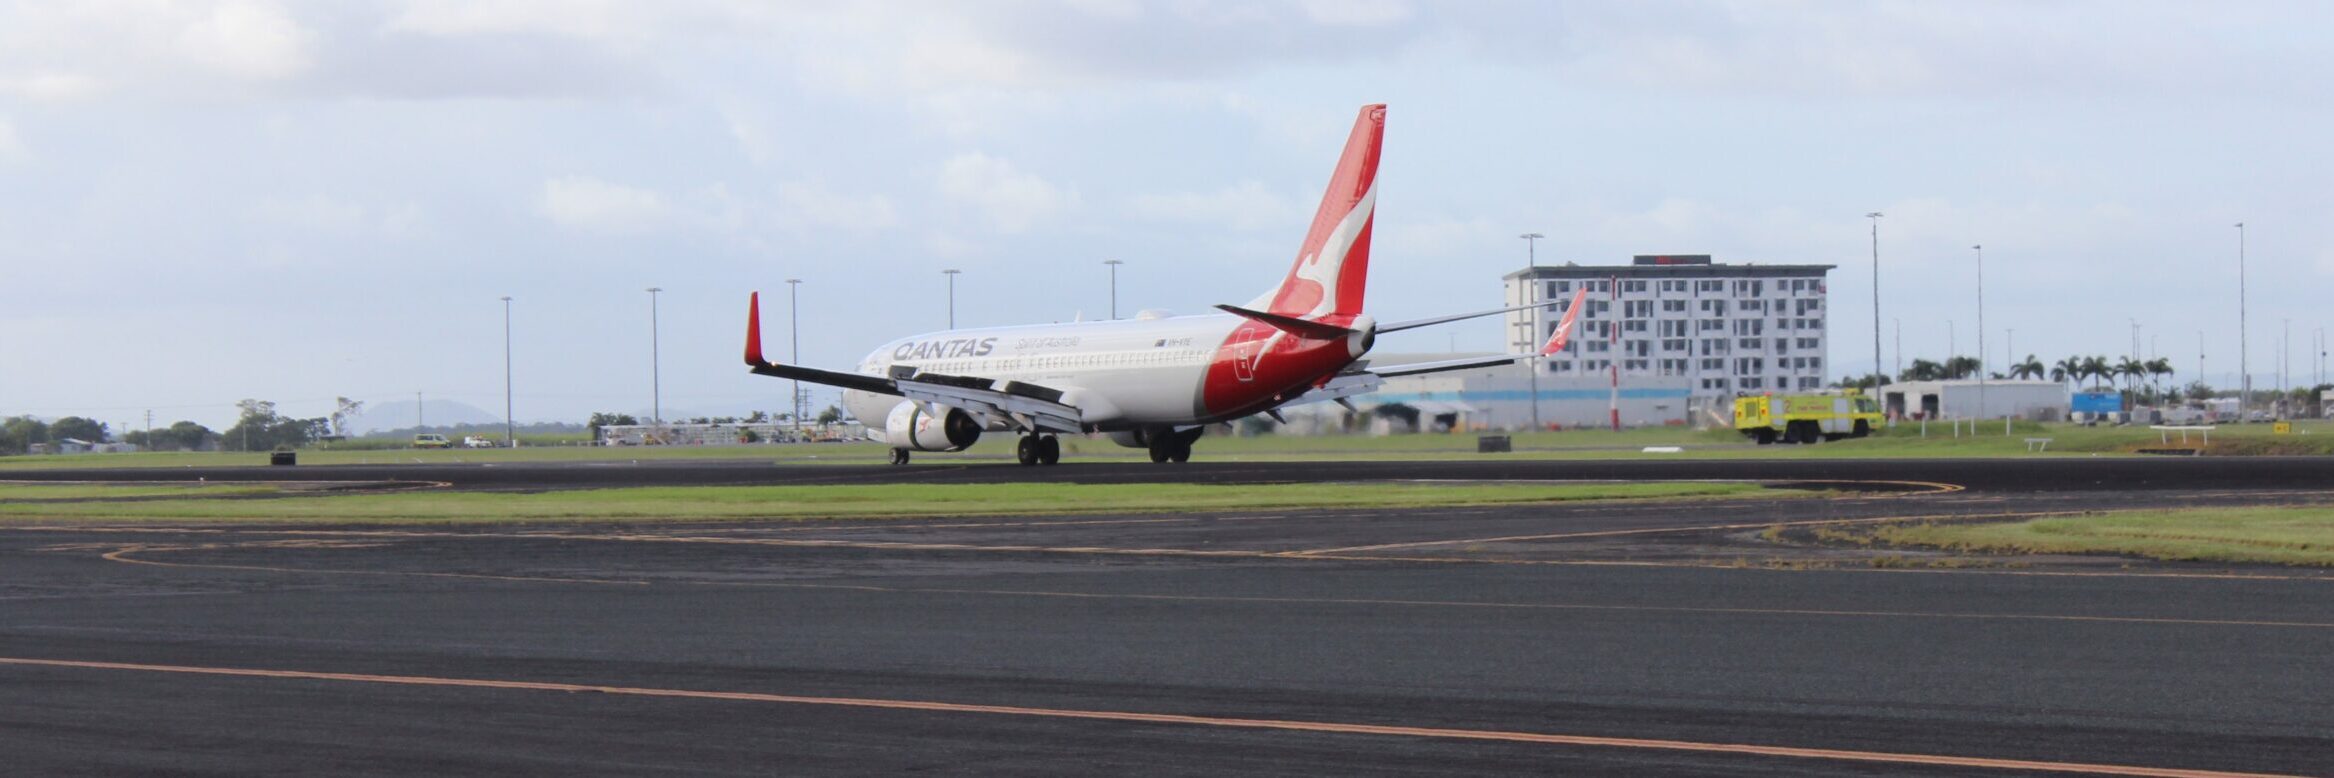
[2095, 368]
[2131, 370]
[2159, 368]
[1960, 367]
[2031, 368]
[2068, 369]
[1924, 370]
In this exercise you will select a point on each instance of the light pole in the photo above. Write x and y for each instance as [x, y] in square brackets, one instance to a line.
[1899, 346]
[1532, 298]
[2010, 346]
[2244, 350]
[510, 426]
[794, 333]
[1876, 370]
[656, 389]
[1113, 263]
[1952, 346]
[1981, 329]
[2284, 358]
[951, 273]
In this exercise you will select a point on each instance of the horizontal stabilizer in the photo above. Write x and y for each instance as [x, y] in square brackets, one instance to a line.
[1291, 324]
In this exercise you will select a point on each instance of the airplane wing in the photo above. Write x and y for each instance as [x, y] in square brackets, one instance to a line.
[1417, 323]
[1023, 406]
[1360, 378]
[1422, 368]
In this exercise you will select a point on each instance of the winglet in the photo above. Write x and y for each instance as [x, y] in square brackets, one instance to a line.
[754, 331]
[1563, 332]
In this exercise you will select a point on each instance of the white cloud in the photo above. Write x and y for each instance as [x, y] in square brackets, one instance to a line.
[248, 39]
[1439, 237]
[1355, 13]
[583, 19]
[1012, 200]
[325, 214]
[588, 203]
[49, 85]
[11, 147]
[314, 212]
[1243, 206]
[812, 203]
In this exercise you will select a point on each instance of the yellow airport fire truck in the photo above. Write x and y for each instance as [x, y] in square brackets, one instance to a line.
[1806, 418]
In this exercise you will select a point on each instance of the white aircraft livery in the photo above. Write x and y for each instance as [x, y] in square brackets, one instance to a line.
[1152, 382]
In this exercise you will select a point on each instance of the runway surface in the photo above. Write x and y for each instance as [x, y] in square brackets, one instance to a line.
[1570, 639]
[2005, 475]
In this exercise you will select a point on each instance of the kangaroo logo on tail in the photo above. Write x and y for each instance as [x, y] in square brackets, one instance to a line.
[1332, 269]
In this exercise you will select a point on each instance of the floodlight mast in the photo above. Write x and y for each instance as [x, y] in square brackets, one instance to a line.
[1532, 298]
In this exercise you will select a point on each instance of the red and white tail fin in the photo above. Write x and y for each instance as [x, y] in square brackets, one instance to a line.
[1563, 332]
[1333, 268]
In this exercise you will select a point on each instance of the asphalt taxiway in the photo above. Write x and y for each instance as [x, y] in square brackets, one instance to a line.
[1621, 638]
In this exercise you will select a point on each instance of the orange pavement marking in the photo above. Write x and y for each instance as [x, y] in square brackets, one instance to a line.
[1881, 757]
[1708, 528]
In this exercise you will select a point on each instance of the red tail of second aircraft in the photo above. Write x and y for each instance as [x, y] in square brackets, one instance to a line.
[1332, 269]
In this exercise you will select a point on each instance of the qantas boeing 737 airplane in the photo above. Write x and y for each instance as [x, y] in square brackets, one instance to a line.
[1152, 382]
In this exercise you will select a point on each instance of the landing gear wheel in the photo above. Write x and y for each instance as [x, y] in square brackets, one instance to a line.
[1162, 448]
[899, 456]
[1049, 450]
[1182, 452]
[1025, 451]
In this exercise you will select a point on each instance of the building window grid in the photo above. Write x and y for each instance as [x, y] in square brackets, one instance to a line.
[1712, 318]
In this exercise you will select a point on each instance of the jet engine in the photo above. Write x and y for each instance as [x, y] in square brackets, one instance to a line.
[913, 425]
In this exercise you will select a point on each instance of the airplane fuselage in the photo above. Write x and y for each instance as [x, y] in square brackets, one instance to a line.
[1128, 374]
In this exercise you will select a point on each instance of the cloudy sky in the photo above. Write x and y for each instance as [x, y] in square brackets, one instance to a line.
[207, 201]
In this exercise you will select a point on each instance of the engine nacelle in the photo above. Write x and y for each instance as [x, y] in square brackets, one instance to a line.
[940, 428]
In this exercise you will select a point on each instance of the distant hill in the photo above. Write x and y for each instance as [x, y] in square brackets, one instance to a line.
[434, 413]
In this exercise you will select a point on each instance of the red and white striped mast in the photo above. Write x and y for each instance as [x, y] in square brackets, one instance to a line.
[1613, 336]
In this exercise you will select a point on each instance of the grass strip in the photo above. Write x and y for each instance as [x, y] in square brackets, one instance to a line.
[2285, 536]
[10, 492]
[804, 502]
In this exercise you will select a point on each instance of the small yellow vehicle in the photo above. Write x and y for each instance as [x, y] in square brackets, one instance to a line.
[1806, 418]
[431, 440]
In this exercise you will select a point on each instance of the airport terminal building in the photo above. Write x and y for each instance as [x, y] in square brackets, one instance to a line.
[1689, 335]
[1720, 329]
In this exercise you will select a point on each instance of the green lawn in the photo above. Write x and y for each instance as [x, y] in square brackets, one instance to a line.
[1905, 440]
[2288, 536]
[896, 500]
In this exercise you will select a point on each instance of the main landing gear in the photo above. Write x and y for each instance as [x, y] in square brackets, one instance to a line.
[1170, 447]
[899, 456]
[1038, 450]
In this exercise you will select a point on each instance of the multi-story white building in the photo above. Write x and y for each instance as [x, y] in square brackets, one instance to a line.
[1729, 329]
